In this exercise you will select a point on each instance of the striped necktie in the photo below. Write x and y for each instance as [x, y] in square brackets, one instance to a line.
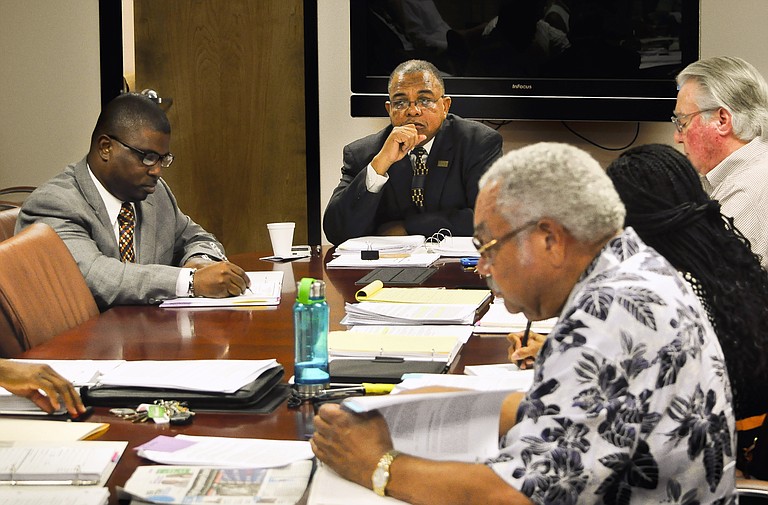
[127, 222]
[419, 176]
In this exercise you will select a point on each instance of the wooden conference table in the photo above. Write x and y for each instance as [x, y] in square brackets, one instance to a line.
[148, 332]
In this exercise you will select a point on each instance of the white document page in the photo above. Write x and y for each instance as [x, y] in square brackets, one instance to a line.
[410, 260]
[30, 430]
[498, 320]
[407, 313]
[455, 426]
[520, 380]
[231, 452]
[78, 495]
[455, 247]
[330, 489]
[388, 244]
[70, 463]
[266, 289]
[216, 375]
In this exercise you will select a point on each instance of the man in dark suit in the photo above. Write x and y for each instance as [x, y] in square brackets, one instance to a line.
[120, 220]
[386, 190]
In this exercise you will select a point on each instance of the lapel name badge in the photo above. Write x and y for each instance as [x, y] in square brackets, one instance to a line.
[442, 163]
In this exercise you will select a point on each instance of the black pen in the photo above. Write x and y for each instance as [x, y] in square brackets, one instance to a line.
[524, 340]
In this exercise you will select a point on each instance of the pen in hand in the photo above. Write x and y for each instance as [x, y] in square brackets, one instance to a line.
[524, 340]
[524, 343]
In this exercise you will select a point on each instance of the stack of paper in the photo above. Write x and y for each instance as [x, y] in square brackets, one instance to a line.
[407, 313]
[24, 430]
[434, 343]
[235, 486]
[383, 244]
[454, 247]
[376, 292]
[385, 260]
[65, 463]
[518, 380]
[265, 289]
[498, 320]
[75, 495]
[224, 376]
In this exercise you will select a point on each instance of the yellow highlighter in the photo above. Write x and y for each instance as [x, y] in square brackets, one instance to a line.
[366, 388]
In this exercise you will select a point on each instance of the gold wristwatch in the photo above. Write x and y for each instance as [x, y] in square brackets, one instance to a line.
[380, 477]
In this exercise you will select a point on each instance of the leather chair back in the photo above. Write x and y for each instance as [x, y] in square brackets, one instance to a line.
[42, 292]
[752, 491]
[8, 222]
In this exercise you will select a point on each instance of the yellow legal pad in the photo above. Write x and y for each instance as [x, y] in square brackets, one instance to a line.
[376, 292]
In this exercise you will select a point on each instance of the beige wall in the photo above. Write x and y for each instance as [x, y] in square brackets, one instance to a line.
[49, 86]
[735, 27]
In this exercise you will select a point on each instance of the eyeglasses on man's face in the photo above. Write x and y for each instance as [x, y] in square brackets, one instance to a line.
[682, 120]
[422, 103]
[486, 248]
[148, 158]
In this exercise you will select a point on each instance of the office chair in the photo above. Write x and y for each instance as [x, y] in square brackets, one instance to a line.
[8, 222]
[752, 491]
[42, 292]
[14, 200]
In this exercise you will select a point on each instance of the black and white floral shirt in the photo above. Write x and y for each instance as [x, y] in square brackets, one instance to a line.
[631, 401]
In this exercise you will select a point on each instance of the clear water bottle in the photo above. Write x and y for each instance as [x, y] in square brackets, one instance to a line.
[310, 326]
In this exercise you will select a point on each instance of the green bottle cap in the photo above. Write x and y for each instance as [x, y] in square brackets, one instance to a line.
[304, 286]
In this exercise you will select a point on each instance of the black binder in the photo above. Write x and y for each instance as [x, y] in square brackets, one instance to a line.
[258, 396]
[385, 370]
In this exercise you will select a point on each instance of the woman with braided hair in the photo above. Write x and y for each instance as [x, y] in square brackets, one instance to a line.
[669, 210]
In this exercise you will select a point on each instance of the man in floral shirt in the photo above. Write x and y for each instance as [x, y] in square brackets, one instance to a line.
[631, 399]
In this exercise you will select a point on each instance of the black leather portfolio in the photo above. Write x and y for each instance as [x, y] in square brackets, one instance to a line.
[255, 397]
[382, 370]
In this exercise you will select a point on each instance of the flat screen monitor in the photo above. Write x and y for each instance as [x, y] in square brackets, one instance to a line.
[577, 60]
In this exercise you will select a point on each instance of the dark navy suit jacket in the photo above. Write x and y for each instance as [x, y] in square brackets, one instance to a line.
[462, 152]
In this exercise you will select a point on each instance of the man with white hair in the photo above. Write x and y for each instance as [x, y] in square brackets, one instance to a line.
[721, 118]
[629, 401]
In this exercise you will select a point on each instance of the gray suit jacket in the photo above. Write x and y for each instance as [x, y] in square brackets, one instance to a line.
[165, 238]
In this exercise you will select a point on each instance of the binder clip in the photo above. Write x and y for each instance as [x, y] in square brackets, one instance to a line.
[369, 255]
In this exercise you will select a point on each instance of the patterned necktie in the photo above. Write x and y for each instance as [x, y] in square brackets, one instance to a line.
[419, 175]
[127, 222]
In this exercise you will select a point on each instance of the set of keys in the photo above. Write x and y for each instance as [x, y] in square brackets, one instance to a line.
[161, 412]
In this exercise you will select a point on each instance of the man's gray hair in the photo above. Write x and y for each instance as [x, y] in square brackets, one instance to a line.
[560, 182]
[414, 66]
[737, 86]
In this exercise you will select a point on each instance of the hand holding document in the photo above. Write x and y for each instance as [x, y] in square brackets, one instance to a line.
[265, 289]
[450, 426]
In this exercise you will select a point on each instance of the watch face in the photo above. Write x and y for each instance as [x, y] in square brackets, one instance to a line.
[380, 478]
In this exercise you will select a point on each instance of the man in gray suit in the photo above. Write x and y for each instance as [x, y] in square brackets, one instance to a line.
[121, 221]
